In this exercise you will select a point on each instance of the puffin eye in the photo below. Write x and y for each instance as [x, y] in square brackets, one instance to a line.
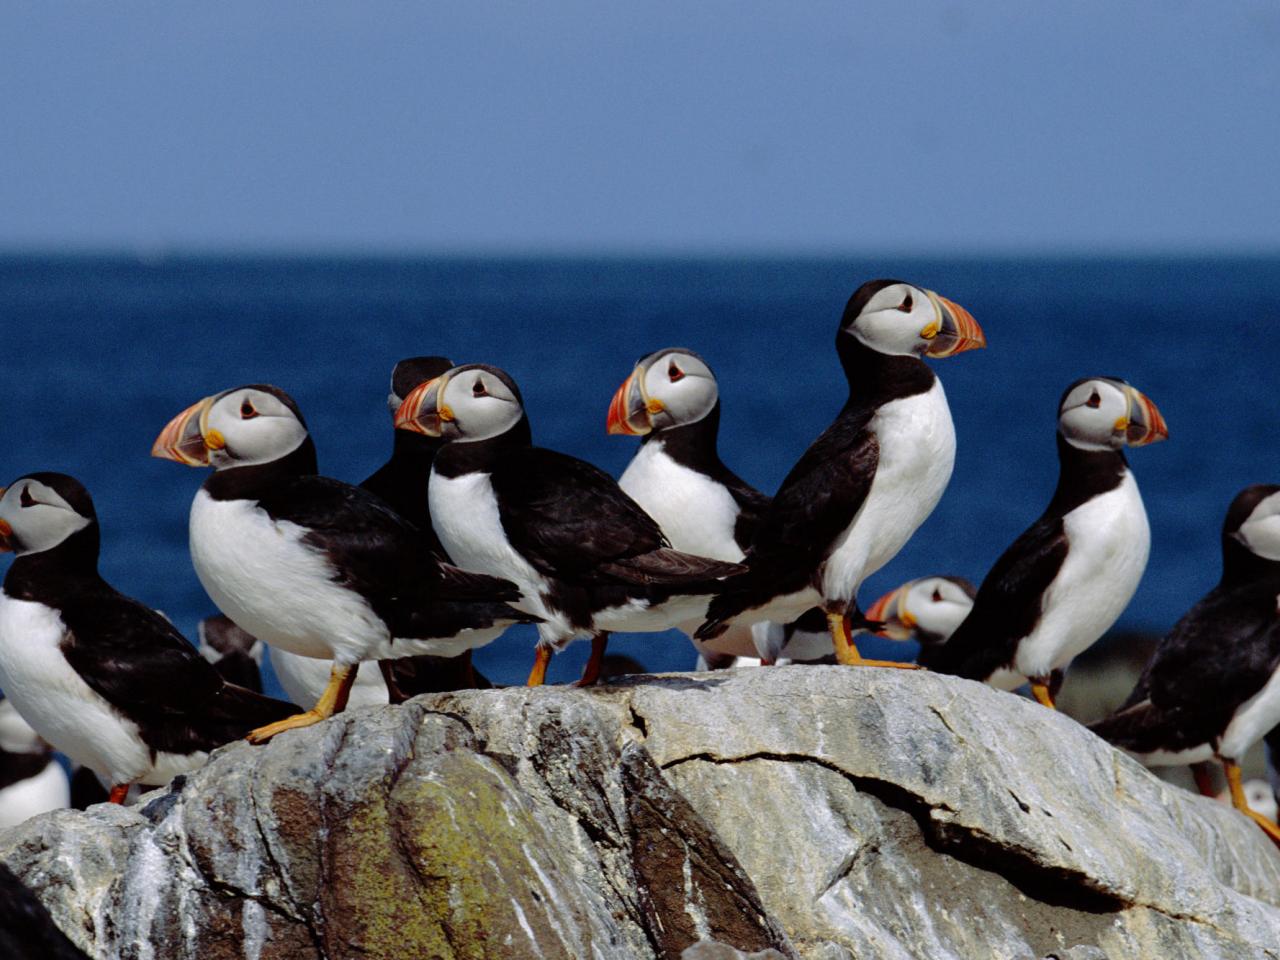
[674, 372]
[1094, 400]
[937, 595]
[906, 304]
[478, 390]
[247, 411]
[27, 500]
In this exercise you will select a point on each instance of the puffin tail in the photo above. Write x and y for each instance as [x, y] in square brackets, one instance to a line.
[1129, 728]
[235, 711]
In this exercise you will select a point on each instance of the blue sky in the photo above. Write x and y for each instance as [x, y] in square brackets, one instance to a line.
[608, 127]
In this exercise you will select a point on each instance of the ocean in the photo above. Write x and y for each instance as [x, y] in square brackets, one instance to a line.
[99, 353]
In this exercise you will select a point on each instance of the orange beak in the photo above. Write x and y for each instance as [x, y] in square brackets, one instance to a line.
[183, 438]
[957, 330]
[889, 610]
[6, 535]
[628, 410]
[1145, 424]
[420, 412]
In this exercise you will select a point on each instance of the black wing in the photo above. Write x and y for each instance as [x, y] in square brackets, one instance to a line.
[384, 558]
[1221, 653]
[752, 506]
[567, 517]
[1008, 605]
[817, 501]
[139, 662]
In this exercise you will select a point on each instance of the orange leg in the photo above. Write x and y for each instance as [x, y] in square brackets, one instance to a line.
[118, 793]
[541, 659]
[591, 672]
[847, 650]
[1240, 803]
[1040, 690]
[332, 700]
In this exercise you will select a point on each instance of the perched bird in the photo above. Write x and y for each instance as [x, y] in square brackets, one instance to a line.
[31, 781]
[1212, 687]
[401, 483]
[587, 558]
[927, 610]
[107, 681]
[312, 565]
[1062, 584]
[234, 654]
[864, 486]
[672, 399]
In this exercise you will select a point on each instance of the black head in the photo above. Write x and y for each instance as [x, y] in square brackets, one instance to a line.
[413, 372]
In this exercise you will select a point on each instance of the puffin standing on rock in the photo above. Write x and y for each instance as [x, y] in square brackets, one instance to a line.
[107, 681]
[1062, 584]
[672, 399]
[588, 559]
[1212, 687]
[313, 565]
[864, 486]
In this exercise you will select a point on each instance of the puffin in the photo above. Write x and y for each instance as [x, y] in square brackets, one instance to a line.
[26, 929]
[235, 654]
[31, 781]
[587, 557]
[1211, 689]
[672, 400]
[1063, 583]
[927, 610]
[870, 479]
[312, 565]
[102, 678]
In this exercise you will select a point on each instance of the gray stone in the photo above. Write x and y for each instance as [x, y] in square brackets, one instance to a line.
[820, 812]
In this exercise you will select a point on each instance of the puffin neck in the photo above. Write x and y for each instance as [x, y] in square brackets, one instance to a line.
[692, 445]
[1083, 475]
[36, 576]
[242, 483]
[876, 377]
[414, 450]
[1240, 565]
[456, 458]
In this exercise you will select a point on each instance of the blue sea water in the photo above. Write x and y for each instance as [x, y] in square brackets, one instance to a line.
[99, 353]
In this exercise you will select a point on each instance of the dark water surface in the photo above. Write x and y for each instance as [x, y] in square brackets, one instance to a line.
[98, 354]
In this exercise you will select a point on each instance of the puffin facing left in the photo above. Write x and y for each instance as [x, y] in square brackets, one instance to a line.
[311, 565]
[109, 682]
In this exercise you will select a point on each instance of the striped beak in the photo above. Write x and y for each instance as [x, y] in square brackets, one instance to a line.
[891, 611]
[1143, 423]
[629, 410]
[421, 411]
[954, 331]
[183, 439]
[6, 534]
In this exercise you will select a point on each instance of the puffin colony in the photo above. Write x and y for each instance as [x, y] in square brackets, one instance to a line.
[470, 528]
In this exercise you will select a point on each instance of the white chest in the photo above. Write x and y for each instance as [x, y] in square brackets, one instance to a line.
[917, 443]
[56, 702]
[1108, 543]
[281, 590]
[696, 513]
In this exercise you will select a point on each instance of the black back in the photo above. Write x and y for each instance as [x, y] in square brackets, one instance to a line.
[27, 932]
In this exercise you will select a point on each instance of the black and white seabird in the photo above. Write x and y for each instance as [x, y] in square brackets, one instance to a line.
[864, 486]
[1212, 687]
[104, 679]
[588, 559]
[927, 610]
[313, 565]
[1063, 583]
[672, 399]
[31, 781]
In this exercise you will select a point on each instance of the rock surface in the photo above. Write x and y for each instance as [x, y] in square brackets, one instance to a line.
[815, 812]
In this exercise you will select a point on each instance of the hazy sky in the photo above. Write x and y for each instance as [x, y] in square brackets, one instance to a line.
[724, 126]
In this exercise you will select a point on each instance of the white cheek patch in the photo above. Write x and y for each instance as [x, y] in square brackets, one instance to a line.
[1262, 535]
[43, 527]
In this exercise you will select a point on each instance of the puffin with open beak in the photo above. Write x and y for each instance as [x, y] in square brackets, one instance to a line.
[312, 565]
[864, 486]
[672, 400]
[927, 610]
[1211, 689]
[587, 558]
[1062, 584]
[106, 680]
